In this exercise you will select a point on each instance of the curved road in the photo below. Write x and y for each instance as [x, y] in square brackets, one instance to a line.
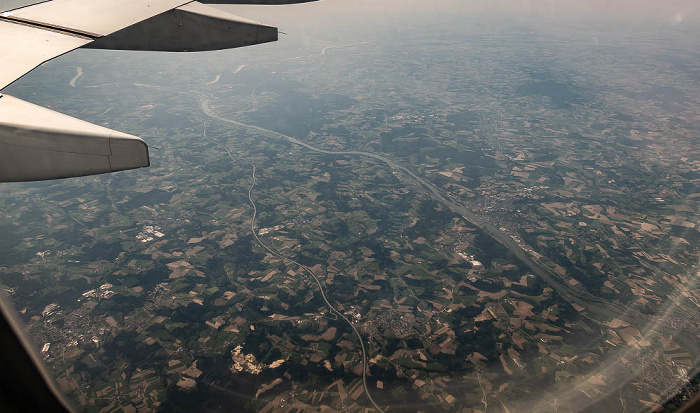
[320, 287]
[276, 253]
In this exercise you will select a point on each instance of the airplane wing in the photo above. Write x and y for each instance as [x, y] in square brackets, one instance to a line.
[37, 143]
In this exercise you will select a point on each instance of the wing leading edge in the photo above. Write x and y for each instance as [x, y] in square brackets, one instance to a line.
[39, 144]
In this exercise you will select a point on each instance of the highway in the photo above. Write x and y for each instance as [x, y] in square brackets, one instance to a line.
[597, 309]
[569, 293]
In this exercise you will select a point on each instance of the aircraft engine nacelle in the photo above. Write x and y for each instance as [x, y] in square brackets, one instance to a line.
[38, 144]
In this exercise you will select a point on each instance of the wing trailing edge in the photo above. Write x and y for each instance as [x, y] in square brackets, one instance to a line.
[22, 48]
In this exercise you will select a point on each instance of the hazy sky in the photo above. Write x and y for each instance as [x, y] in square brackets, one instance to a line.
[661, 11]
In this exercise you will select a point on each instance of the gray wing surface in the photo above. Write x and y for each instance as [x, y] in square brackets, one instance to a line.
[37, 143]
[22, 48]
